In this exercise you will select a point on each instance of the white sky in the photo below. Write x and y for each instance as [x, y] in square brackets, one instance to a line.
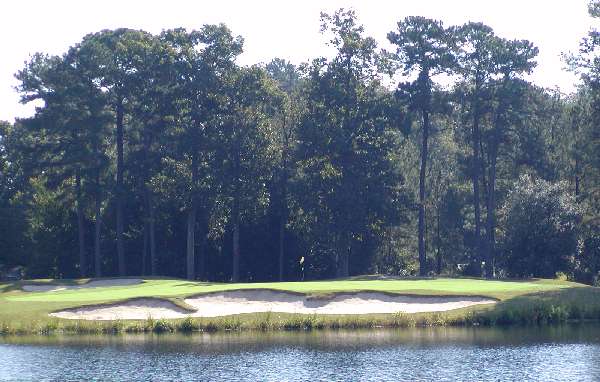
[278, 28]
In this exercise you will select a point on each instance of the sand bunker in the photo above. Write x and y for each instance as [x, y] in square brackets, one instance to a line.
[91, 284]
[255, 301]
[138, 309]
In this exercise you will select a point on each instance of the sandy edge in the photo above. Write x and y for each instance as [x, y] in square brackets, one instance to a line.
[255, 301]
[90, 284]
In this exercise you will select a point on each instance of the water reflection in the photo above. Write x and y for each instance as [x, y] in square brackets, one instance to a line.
[549, 353]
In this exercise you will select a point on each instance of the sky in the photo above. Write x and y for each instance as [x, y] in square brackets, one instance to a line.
[279, 28]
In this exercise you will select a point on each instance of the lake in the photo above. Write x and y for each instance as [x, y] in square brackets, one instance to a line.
[438, 354]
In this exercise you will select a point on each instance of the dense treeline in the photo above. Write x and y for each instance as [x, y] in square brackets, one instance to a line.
[160, 155]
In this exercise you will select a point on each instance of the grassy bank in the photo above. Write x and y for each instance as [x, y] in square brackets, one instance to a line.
[520, 302]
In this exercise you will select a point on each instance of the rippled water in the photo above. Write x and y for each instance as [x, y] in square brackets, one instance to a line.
[566, 353]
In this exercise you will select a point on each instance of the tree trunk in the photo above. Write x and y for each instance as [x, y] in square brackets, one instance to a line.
[201, 255]
[577, 180]
[339, 264]
[80, 227]
[145, 248]
[152, 225]
[346, 268]
[344, 264]
[494, 144]
[343, 258]
[119, 189]
[283, 205]
[438, 242]
[191, 224]
[97, 227]
[236, 240]
[476, 198]
[190, 255]
[424, 149]
[236, 217]
[149, 228]
[282, 220]
[491, 214]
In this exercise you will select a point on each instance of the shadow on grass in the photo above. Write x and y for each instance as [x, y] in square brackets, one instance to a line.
[430, 278]
[196, 284]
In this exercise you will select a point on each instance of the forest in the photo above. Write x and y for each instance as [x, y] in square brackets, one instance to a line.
[160, 155]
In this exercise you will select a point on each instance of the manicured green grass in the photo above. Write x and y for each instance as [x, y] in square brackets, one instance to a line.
[520, 302]
[183, 288]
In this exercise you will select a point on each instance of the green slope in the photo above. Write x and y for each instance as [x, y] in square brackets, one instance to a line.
[17, 306]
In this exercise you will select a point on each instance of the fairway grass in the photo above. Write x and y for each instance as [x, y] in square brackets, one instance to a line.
[532, 301]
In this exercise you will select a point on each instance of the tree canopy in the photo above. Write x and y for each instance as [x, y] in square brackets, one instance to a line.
[159, 154]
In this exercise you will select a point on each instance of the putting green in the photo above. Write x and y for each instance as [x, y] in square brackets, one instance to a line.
[181, 288]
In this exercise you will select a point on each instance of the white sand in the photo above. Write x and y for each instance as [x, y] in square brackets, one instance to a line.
[139, 309]
[254, 301]
[91, 284]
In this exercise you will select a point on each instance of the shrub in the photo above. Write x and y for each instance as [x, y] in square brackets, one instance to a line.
[116, 326]
[188, 325]
[541, 221]
[231, 323]
[48, 327]
[561, 276]
[163, 326]
[264, 322]
[403, 320]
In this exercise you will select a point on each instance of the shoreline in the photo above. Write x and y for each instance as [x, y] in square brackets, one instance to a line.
[268, 323]
[480, 316]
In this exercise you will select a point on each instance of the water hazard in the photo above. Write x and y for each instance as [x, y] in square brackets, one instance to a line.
[438, 354]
